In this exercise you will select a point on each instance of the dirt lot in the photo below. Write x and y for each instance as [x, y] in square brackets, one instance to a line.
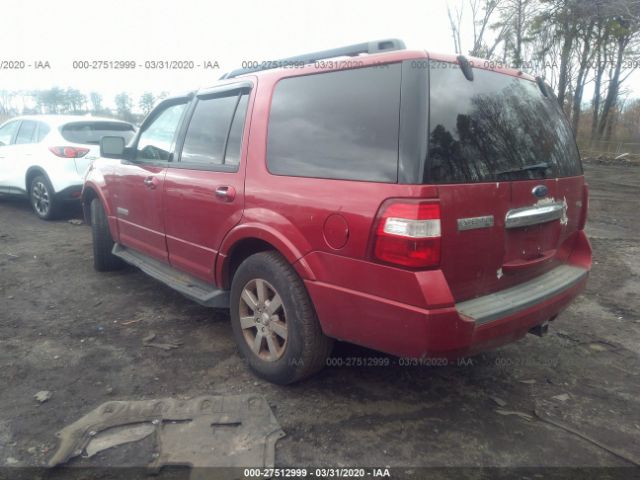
[77, 333]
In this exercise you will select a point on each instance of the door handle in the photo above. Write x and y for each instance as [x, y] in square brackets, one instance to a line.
[226, 193]
[151, 182]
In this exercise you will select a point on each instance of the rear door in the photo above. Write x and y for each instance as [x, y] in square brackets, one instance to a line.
[204, 191]
[509, 175]
[138, 182]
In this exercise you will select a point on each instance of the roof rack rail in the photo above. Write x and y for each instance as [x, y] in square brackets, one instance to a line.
[387, 45]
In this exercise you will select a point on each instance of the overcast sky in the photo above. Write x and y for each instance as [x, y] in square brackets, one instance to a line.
[61, 31]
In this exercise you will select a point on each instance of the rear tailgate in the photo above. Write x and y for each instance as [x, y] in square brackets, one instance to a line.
[510, 179]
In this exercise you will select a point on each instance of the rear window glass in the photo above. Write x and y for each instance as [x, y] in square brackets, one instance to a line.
[90, 133]
[493, 128]
[341, 125]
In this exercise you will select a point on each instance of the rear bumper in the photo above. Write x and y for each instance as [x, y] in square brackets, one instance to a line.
[452, 330]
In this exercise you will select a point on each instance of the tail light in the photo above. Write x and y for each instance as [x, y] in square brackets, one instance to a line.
[409, 234]
[585, 207]
[69, 152]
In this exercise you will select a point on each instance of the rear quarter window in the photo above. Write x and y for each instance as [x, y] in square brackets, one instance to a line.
[489, 128]
[339, 125]
[90, 133]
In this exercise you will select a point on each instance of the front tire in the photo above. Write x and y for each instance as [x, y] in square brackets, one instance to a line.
[103, 259]
[42, 198]
[274, 322]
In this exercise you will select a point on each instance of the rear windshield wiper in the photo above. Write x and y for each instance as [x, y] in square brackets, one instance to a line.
[536, 166]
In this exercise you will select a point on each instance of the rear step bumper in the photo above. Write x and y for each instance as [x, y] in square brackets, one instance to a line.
[446, 332]
[511, 300]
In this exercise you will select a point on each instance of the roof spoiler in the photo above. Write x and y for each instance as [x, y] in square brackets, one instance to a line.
[376, 46]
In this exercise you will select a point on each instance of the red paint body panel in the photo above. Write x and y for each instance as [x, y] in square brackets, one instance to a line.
[139, 208]
[197, 220]
[406, 330]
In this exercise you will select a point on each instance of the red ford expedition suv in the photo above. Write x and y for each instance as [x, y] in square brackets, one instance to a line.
[414, 203]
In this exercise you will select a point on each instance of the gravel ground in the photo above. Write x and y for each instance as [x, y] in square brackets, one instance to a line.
[78, 334]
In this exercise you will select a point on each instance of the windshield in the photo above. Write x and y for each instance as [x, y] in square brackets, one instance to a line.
[90, 133]
[496, 127]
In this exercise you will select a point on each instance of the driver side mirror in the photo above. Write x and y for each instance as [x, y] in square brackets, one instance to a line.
[112, 147]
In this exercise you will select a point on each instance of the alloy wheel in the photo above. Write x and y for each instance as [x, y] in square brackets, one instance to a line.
[263, 320]
[40, 198]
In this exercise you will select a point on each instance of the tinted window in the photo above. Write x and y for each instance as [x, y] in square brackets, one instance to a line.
[488, 129]
[26, 132]
[90, 133]
[208, 130]
[337, 125]
[234, 145]
[7, 132]
[156, 141]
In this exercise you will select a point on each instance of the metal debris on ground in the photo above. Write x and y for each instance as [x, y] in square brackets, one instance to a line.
[209, 431]
[545, 417]
[148, 342]
[112, 437]
[562, 397]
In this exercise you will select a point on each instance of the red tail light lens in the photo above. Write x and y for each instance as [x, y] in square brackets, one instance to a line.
[409, 234]
[585, 207]
[69, 152]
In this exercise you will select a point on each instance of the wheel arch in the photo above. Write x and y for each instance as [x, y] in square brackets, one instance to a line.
[90, 192]
[246, 240]
[33, 172]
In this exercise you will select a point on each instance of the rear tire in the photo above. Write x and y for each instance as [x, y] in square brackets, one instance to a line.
[269, 300]
[103, 259]
[42, 198]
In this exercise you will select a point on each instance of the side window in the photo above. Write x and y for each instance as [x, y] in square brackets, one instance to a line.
[43, 130]
[234, 145]
[26, 133]
[157, 140]
[341, 125]
[7, 132]
[215, 131]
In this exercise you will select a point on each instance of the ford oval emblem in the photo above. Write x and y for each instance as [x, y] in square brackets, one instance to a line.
[540, 191]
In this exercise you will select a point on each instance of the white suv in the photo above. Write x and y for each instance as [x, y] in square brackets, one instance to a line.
[46, 156]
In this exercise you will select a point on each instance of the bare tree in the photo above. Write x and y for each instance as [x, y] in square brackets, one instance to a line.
[455, 21]
[481, 12]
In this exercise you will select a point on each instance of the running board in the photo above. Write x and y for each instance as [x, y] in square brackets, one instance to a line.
[191, 287]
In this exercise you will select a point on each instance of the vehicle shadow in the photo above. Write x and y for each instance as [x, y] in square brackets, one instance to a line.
[67, 212]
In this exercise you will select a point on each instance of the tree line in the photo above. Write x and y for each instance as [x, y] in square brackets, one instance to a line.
[72, 101]
[576, 45]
